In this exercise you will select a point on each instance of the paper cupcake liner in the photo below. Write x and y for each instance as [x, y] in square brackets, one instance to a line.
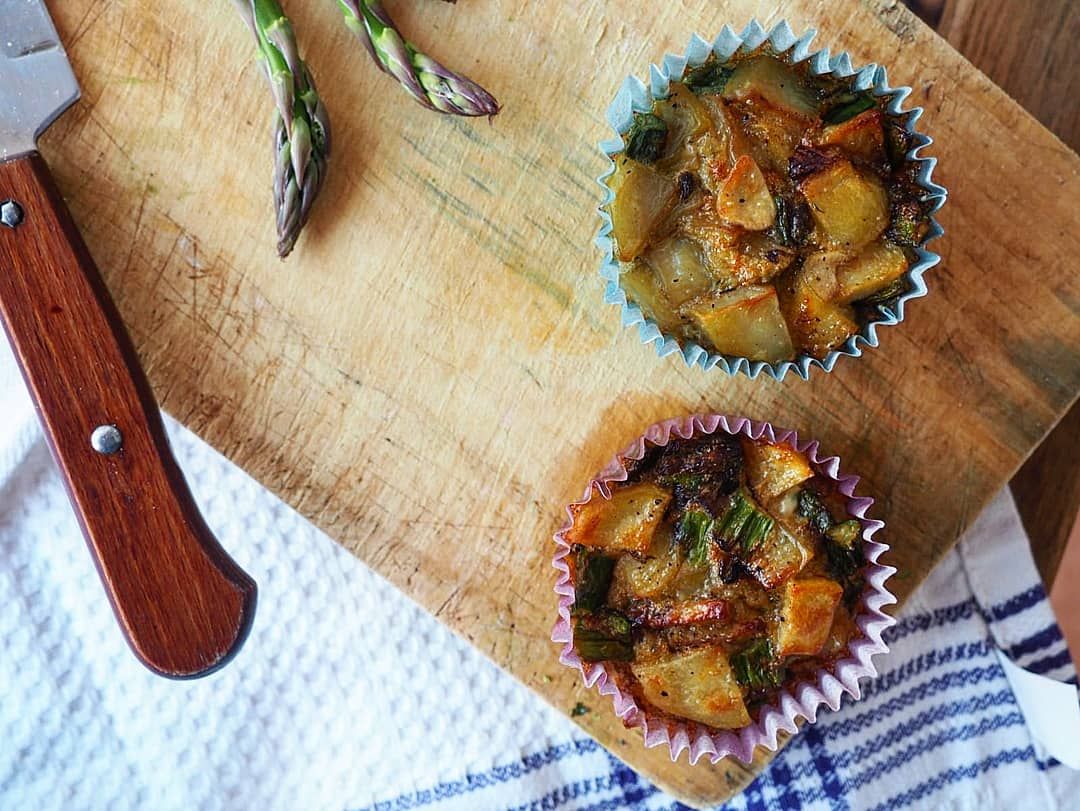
[791, 706]
[634, 96]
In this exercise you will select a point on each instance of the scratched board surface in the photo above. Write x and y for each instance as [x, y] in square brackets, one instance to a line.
[433, 375]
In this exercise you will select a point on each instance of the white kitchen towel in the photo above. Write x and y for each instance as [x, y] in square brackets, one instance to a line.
[313, 715]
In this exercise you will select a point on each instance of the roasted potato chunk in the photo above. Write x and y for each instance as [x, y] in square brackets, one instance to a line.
[745, 321]
[773, 134]
[817, 324]
[643, 197]
[851, 208]
[775, 82]
[744, 198]
[656, 573]
[698, 685]
[643, 288]
[771, 469]
[861, 137]
[806, 615]
[680, 269]
[624, 523]
[879, 265]
[781, 556]
[688, 120]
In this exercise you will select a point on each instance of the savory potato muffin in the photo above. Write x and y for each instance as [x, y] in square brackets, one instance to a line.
[763, 212]
[720, 571]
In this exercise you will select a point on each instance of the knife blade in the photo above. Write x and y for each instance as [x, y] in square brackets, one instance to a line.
[183, 604]
[36, 80]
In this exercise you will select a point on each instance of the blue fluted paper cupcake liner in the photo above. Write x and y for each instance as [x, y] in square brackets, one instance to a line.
[634, 96]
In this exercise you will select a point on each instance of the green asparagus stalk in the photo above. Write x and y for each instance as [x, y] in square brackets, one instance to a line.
[427, 81]
[301, 123]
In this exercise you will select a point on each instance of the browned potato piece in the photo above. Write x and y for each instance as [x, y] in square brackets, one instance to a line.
[850, 208]
[688, 119]
[652, 576]
[879, 265]
[745, 321]
[643, 197]
[772, 132]
[729, 143]
[817, 324]
[861, 137]
[624, 523]
[680, 269]
[744, 198]
[773, 81]
[819, 272]
[773, 469]
[806, 615]
[779, 557]
[698, 685]
[643, 288]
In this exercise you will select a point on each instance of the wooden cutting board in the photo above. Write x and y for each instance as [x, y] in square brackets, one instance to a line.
[433, 375]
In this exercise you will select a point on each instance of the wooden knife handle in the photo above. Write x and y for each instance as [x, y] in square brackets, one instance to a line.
[184, 605]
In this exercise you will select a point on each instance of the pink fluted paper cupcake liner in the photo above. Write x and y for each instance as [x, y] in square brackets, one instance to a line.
[791, 706]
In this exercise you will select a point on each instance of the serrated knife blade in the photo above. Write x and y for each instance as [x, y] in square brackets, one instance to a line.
[36, 80]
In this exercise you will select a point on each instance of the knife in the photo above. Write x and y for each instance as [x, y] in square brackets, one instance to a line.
[184, 606]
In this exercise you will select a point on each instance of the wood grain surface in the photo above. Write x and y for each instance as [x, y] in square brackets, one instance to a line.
[183, 604]
[433, 375]
[1027, 50]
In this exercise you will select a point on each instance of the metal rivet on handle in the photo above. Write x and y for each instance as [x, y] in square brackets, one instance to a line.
[106, 439]
[11, 213]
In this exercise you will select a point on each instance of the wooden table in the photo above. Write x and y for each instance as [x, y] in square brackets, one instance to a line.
[433, 375]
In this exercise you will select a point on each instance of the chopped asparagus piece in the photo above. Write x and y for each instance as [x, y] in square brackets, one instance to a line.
[646, 138]
[711, 77]
[755, 667]
[743, 524]
[908, 225]
[890, 292]
[844, 534]
[793, 222]
[593, 579]
[604, 635]
[736, 516]
[811, 508]
[897, 141]
[844, 558]
[848, 108]
[695, 532]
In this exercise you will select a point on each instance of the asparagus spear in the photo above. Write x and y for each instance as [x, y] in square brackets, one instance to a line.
[755, 668]
[604, 635]
[594, 573]
[301, 124]
[744, 524]
[427, 81]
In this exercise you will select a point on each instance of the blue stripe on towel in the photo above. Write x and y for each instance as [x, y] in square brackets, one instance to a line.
[1020, 602]
[1048, 636]
[955, 775]
[1048, 663]
[495, 775]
